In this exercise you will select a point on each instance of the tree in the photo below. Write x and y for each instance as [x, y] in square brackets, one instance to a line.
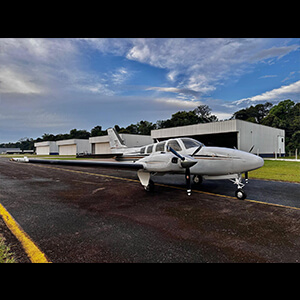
[181, 118]
[145, 127]
[295, 141]
[280, 114]
[97, 131]
[79, 134]
[204, 114]
[254, 114]
[48, 137]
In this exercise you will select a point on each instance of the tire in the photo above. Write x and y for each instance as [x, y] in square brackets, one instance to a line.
[240, 194]
[150, 187]
[197, 179]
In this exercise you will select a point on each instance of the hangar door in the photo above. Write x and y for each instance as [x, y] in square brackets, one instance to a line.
[44, 150]
[281, 148]
[101, 148]
[67, 150]
[227, 139]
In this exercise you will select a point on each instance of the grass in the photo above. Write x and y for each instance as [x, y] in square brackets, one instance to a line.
[278, 170]
[6, 256]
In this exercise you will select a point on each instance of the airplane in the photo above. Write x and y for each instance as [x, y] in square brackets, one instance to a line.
[174, 156]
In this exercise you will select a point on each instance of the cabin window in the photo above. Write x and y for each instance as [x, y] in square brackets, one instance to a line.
[160, 147]
[174, 144]
[142, 151]
[149, 149]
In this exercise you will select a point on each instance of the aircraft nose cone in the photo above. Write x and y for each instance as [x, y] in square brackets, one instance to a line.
[255, 162]
[260, 161]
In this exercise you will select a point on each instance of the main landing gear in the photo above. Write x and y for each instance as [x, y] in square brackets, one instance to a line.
[240, 194]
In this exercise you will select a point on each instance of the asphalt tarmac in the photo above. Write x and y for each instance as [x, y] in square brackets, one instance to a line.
[85, 214]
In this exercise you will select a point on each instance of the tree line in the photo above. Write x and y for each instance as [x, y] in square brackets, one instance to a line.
[285, 115]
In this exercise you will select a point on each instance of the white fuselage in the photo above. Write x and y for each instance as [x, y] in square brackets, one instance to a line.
[212, 161]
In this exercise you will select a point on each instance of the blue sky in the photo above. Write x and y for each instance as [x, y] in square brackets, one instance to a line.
[55, 85]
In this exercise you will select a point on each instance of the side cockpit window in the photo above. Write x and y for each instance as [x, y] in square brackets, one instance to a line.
[175, 145]
[160, 147]
[149, 149]
[142, 151]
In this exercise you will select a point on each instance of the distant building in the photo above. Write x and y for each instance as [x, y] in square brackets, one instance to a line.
[73, 146]
[10, 151]
[46, 148]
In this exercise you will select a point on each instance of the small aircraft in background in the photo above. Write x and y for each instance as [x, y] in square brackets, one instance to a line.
[174, 156]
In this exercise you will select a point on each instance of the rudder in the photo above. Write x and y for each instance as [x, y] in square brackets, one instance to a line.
[115, 140]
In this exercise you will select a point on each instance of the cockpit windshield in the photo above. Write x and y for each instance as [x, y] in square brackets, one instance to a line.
[190, 143]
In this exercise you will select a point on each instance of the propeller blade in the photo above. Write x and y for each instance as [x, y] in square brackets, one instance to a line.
[188, 181]
[251, 149]
[197, 150]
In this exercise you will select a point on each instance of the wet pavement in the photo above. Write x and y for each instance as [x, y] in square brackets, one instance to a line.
[84, 214]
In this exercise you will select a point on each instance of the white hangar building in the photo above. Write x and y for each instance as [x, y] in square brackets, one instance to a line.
[73, 146]
[240, 134]
[46, 148]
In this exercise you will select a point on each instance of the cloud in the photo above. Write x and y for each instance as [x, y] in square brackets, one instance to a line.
[201, 65]
[278, 52]
[183, 91]
[35, 65]
[285, 91]
[12, 81]
[178, 104]
[267, 76]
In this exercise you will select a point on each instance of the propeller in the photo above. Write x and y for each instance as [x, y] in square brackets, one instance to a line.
[187, 163]
[251, 149]
[197, 150]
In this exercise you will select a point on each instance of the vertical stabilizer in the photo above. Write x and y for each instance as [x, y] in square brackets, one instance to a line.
[115, 140]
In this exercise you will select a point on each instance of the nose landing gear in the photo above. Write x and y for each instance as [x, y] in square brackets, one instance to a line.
[240, 194]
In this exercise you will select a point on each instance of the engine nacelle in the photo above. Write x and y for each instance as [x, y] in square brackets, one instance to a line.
[161, 162]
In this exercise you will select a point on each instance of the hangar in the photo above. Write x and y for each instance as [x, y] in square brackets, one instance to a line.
[73, 146]
[10, 150]
[265, 140]
[46, 148]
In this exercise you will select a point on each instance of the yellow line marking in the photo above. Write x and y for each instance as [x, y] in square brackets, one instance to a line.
[34, 253]
[170, 186]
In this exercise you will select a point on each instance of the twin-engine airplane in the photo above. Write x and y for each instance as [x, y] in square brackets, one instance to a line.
[175, 156]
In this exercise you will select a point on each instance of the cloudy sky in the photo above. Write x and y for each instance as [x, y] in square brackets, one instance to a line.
[55, 85]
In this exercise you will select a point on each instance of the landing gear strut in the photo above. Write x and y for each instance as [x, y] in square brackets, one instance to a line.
[240, 194]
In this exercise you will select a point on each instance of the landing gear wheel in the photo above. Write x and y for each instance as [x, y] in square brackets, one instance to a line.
[197, 179]
[240, 194]
[150, 186]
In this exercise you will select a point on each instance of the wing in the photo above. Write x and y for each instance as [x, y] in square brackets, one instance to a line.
[105, 164]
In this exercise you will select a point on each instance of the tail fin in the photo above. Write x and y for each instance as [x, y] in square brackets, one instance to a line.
[115, 140]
